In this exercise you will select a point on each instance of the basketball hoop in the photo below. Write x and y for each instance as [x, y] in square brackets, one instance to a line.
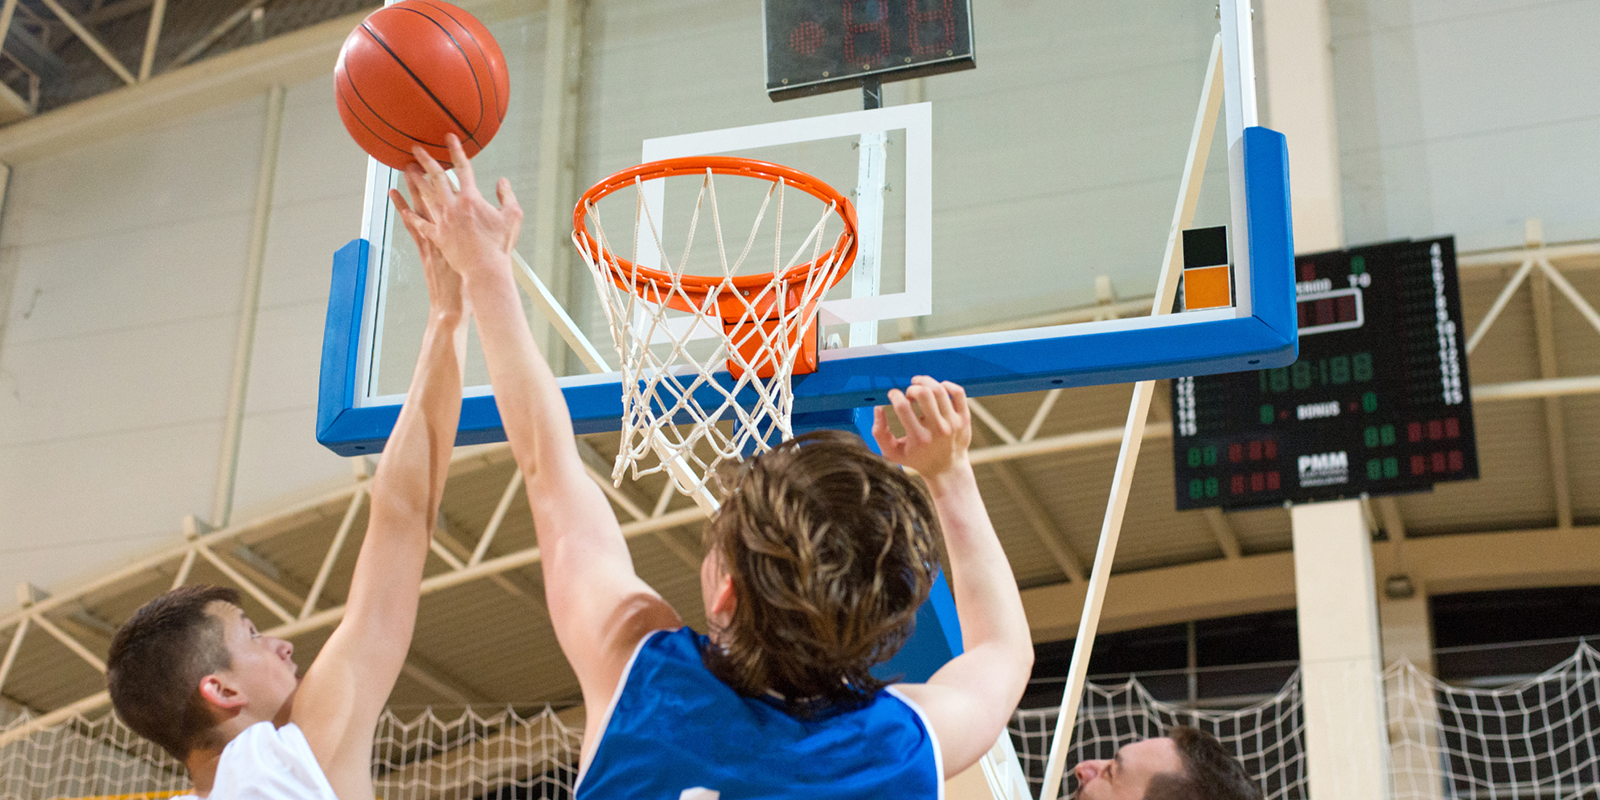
[763, 327]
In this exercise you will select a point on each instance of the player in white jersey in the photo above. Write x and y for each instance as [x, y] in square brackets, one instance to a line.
[191, 672]
[807, 582]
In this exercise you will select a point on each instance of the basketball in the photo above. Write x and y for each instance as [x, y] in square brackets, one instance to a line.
[415, 71]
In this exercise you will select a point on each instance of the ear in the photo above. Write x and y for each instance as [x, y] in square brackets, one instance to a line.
[723, 598]
[219, 692]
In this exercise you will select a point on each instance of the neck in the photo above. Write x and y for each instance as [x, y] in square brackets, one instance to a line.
[202, 761]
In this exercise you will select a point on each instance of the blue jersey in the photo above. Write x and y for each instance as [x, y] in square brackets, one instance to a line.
[675, 731]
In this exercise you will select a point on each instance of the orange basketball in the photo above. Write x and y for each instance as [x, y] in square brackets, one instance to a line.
[415, 71]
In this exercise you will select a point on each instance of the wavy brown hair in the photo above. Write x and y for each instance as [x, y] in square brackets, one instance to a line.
[831, 550]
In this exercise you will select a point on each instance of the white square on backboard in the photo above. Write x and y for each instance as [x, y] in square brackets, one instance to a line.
[915, 120]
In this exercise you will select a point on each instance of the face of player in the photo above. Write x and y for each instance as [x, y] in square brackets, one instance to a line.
[263, 673]
[1127, 776]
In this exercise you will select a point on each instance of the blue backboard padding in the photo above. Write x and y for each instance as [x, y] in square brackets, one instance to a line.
[984, 365]
[937, 636]
[936, 640]
[341, 337]
[1272, 293]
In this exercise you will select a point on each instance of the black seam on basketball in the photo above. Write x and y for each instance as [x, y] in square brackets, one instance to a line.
[477, 80]
[444, 9]
[351, 82]
[463, 128]
[375, 135]
[470, 135]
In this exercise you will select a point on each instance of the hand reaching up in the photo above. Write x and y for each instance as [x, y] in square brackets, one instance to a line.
[444, 284]
[938, 429]
[474, 236]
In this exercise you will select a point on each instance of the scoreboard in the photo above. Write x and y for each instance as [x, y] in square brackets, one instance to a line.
[816, 46]
[1378, 402]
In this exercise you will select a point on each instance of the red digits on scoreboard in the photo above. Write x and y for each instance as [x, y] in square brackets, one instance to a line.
[943, 14]
[875, 27]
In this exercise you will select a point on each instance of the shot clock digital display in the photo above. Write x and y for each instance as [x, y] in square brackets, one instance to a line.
[816, 46]
[1377, 403]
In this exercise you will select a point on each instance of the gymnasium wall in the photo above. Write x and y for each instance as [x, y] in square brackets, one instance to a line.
[1466, 118]
[125, 261]
[122, 259]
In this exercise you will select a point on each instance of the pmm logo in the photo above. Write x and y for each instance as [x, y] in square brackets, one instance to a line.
[1324, 469]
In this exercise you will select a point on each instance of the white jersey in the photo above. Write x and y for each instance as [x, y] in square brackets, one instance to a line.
[268, 763]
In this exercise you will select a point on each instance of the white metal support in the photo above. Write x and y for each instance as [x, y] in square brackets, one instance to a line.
[332, 555]
[244, 583]
[152, 37]
[249, 309]
[988, 418]
[11, 651]
[871, 182]
[1571, 294]
[184, 569]
[1554, 421]
[499, 516]
[72, 644]
[90, 41]
[214, 34]
[1040, 414]
[1211, 96]
[1499, 304]
[7, 11]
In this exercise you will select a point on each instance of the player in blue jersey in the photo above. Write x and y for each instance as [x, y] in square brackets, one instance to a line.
[814, 571]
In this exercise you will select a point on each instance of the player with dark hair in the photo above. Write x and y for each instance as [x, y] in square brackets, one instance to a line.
[190, 672]
[815, 567]
[1186, 764]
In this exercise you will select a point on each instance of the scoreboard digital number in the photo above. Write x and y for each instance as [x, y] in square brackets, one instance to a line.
[816, 46]
[1378, 402]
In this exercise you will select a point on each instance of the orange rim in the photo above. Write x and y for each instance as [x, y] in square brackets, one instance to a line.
[698, 286]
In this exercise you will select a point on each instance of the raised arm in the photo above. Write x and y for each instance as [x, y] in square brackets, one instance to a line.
[598, 605]
[344, 691]
[971, 698]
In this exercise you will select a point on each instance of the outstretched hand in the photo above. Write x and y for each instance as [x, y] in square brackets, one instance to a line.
[471, 233]
[444, 284]
[938, 428]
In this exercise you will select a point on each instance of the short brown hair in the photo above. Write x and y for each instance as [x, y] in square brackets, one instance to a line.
[1210, 772]
[156, 662]
[831, 550]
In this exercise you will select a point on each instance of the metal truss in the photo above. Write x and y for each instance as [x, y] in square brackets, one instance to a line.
[471, 556]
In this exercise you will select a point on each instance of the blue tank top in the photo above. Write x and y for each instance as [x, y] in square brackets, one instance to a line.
[675, 727]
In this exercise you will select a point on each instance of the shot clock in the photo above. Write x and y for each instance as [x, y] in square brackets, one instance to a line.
[816, 46]
[1377, 403]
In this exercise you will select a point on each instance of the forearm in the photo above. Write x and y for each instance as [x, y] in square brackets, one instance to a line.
[532, 407]
[987, 601]
[409, 484]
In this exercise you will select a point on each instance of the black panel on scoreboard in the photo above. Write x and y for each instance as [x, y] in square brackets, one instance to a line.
[1377, 403]
[816, 46]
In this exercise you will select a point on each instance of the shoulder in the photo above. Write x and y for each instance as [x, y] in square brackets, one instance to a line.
[271, 763]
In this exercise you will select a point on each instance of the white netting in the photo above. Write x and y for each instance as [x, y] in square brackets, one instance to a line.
[1537, 739]
[453, 754]
[1269, 737]
[672, 404]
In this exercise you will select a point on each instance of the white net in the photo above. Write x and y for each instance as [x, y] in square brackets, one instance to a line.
[674, 330]
[434, 754]
[1537, 739]
[1268, 737]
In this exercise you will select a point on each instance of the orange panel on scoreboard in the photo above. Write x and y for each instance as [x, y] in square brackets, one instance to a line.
[1207, 287]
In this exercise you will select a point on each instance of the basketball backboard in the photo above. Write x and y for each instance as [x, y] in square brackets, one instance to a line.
[1023, 219]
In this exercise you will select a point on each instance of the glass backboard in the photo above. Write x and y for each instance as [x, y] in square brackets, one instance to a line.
[1019, 214]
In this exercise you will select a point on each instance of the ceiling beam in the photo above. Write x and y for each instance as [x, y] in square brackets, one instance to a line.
[91, 41]
[1554, 423]
[211, 37]
[1227, 539]
[1044, 527]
